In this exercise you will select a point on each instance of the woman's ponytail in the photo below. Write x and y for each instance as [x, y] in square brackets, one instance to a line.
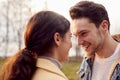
[21, 66]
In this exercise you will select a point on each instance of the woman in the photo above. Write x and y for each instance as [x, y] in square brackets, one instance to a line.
[47, 42]
[116, 37]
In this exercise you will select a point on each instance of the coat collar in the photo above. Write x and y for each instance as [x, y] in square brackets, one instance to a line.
[117, 61]
[49, 66]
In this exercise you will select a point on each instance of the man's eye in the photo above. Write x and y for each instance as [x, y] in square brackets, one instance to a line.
[83, 34]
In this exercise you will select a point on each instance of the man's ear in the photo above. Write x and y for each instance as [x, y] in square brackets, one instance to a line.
[104, 25]
[57, 38]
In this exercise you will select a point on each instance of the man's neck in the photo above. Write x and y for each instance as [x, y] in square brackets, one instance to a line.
[107, 49]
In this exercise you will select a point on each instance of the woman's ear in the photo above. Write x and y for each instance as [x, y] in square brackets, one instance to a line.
[57, 38]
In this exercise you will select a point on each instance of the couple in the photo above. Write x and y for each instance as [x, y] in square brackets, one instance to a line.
[48, 40]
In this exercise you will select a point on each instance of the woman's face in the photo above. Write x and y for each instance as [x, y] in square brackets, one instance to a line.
[65, 46]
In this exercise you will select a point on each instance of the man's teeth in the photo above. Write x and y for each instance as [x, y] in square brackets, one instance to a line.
[86, 46]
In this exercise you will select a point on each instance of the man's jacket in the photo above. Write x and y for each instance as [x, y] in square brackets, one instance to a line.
[85, 72]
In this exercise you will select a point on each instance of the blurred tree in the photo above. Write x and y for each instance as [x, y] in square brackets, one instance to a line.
[14, 14]
[77, 48]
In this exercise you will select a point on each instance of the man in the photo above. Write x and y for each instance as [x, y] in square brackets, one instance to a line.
[90, 24]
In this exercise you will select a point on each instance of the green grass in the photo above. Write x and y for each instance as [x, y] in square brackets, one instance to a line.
[70, 69]
[1, 62]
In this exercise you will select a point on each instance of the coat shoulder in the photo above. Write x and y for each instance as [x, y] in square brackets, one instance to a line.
[42, 74]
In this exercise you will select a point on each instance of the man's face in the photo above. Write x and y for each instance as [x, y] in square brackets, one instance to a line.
[90, 38]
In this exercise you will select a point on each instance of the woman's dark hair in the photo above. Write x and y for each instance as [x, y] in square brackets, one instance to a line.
[95, 12]
[38, 38]
[116, 37]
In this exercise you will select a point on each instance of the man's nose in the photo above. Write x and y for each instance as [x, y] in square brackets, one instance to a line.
[80, 41]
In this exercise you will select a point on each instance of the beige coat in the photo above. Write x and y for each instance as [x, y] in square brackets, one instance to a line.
[48, 71]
